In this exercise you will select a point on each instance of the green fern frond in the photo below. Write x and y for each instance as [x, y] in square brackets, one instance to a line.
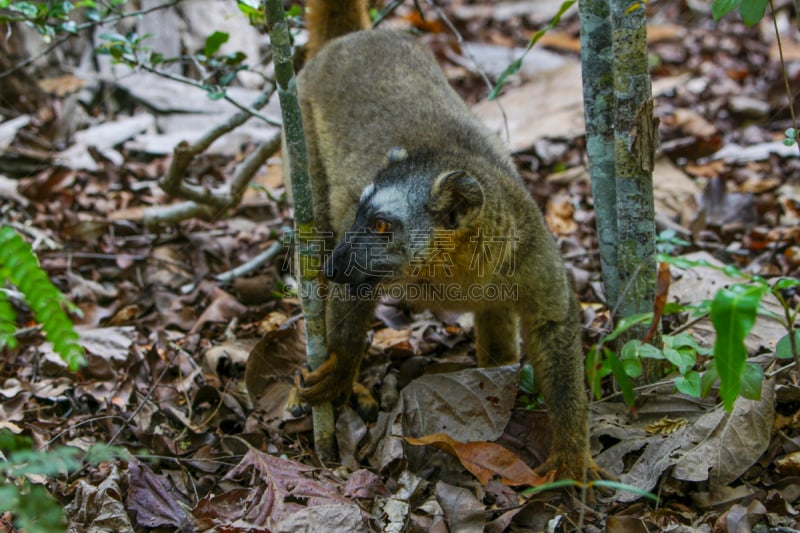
[7, 327]
[19, 265]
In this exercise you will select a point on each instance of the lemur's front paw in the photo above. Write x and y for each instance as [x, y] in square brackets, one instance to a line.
[334, 382]
[296, 405]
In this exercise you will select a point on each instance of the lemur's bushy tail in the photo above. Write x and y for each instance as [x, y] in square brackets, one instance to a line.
[329, 19]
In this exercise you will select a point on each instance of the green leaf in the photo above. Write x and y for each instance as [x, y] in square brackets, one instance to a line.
[114, 37]
[648, 351]
[733, 313]
[683, 360]
[61, 9]
[510, 70]
[627, 323]
[783, 350]
[295, 11]
[684, 340]
[632, 367]
[516, 65]
[623, 380]
[99, 453]
[791, 133]
[526, 383]
[10, 442]
[786, 283]
[44, 298]
[616, 485]
[752, 11]
[251, 8]
[708, 379]
[225, 80]
[720, 8]
[597, 367]
[70, 27]
[561, 483]
[27, 9]
[752, 378]
[690, 383]
[235, 58]
[38, 511]
[216, 94]
[213, 43]
[629, 349]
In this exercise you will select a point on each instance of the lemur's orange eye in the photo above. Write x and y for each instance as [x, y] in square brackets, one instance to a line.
[381, 226]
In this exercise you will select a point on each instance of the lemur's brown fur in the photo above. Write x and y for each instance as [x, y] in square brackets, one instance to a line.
[329, 20]
[394, 153]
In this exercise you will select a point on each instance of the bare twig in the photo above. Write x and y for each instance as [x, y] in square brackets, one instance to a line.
[203, 199]
[388, 10]
[252, 111]
[170, 214]
[255, 262]
[474, 60]
[789, 94]
[85, 26]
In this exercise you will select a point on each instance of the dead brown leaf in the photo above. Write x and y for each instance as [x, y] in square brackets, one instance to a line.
[153, 500]
[485, 460]
[282, 488]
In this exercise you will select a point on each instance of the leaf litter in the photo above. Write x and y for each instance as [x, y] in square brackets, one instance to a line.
[191, 375]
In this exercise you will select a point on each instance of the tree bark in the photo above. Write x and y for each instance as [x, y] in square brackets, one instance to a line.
[598, 105]
[635, 140]
[308, 261]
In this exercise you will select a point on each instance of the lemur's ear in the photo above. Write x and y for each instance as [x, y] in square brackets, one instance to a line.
[396, 154]
[456, 198]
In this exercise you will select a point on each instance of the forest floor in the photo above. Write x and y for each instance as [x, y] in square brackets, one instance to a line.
[211, 445]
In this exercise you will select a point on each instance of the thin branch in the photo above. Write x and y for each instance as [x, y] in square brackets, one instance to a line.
[471, 56]
[173, 181]
[85, 26]
[250, 165]
[388, 10]
[257, 261]
[170, 214]
[193, 83]
[783, 69]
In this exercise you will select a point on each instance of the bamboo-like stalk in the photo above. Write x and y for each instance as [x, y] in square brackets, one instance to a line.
[308, 261]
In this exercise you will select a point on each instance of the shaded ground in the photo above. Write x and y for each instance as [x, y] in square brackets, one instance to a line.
[168, 343]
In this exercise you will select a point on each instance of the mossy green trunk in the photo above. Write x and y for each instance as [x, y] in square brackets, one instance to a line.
[308, 261]
[621, 138]
[635, 138]
[598, 102]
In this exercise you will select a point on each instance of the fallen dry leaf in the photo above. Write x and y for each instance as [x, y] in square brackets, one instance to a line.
[485, 460]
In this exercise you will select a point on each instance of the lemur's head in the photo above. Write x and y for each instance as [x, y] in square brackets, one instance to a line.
[405, 218]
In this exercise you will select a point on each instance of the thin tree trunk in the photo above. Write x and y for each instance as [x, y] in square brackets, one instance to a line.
[308, 260]
[635, 138]
[598, 104]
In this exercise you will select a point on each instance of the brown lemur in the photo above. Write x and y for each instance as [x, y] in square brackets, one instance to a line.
[418, 199]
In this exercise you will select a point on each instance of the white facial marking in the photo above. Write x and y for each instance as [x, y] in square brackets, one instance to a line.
[391, 200]
[367, 191]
